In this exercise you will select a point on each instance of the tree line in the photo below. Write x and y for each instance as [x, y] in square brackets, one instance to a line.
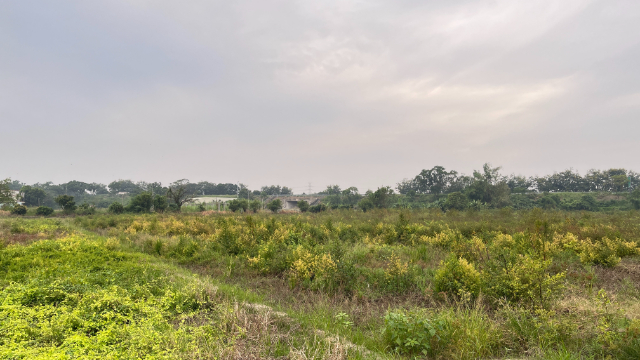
[438, 180]
[435, 187]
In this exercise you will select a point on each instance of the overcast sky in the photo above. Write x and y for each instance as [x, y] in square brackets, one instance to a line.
[356, 93]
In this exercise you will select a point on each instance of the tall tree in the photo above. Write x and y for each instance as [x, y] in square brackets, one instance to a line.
[67, 203]
[126, 186]
[32, 196]
[6, 195]
[178, 193]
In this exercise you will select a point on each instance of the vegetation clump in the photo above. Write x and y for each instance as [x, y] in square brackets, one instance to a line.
[44, 211]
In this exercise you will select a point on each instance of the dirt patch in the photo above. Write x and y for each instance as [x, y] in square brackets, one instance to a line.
[612, 279]
[21, 239]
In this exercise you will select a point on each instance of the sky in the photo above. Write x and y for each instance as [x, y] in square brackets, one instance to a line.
[354, 93]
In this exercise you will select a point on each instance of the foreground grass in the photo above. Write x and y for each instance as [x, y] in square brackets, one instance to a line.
[84, 297]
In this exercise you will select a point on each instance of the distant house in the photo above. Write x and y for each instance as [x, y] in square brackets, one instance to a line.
[290, 202]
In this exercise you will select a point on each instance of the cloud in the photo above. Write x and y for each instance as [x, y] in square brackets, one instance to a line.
[349, 92]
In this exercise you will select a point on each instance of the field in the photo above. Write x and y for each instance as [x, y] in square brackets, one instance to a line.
[387, 284]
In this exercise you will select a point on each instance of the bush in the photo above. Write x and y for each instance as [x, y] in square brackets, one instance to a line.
[365, 204]
[456, 201]
[303, 205]
[160, 203]
[525, 280]
[86, 209]
[411, 333]
[237, 205]
[116, 208]
[456, 275]
[67, 203]
[275, 205]
[44, 211]
[140, 203]
[587, 202]
[255, 205]
[318, 208]
[19, 210]
[461, 333]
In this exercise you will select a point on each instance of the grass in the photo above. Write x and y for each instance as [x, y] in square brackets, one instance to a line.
[548, 285]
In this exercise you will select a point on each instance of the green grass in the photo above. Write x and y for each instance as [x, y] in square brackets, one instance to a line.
[548, 285]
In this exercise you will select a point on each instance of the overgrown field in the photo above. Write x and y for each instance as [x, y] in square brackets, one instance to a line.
[341, 284]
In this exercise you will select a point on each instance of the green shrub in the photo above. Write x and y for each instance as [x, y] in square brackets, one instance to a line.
[239, 204]
[303, 205]
[456, 201]
[160, 203]
[411, 333]
[67, 203]
[456, 275]
[318, 208]
[19, 210]
[524, 279]
[44, 211]
[275, 205]
[255, 206]
[459, 333]
[116, 208]
[140, 203]
[86, 209]
[365, 204]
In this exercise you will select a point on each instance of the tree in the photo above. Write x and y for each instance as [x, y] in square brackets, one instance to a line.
[489, 187]
[331, 190]
[620, 182]
[155, 188]
[127, 186]
[19, 210]
[255, 205]
[381, 198]
[32, 196]
[44, 211]
[116, 208]
[244, 192]
[519, 184]
[433, 181]
[67, 203]
[275, 205]
[15, 185]
[276, 190]
[6, 196]
[234, 205]
[179, 194]
[303, 205]
[140, 203]
[160, 203]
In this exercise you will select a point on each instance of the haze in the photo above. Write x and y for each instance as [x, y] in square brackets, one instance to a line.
[329, 92]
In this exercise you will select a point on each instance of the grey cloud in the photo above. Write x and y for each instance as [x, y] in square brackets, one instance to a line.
[349, 92]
